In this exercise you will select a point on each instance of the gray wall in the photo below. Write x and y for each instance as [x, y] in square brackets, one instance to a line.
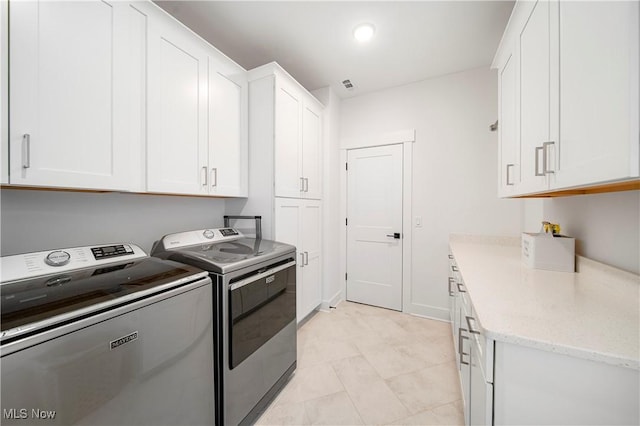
[42, 220]
[606, 226]
[455, 182]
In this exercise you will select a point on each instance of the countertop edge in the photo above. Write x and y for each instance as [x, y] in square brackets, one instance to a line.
[559, 348]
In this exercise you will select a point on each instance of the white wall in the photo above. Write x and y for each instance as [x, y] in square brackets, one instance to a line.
[606, 226]
[42, 220]
[454, 168]
[331, 216]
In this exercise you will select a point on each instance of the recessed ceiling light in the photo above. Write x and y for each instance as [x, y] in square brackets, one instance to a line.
[364, 32]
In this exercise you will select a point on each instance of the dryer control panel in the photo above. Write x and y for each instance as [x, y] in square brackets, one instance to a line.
[201, 236]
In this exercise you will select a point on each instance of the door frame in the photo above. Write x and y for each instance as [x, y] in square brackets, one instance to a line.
[406, 138]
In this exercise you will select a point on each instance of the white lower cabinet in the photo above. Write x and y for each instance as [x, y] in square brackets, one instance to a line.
[298, 222]
[504, 383]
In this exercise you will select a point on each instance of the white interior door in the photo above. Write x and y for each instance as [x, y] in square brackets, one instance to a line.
[374, 227]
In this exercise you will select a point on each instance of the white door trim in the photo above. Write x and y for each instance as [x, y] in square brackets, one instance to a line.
[407, 138]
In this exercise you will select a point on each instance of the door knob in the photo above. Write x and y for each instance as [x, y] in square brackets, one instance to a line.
[395, 235]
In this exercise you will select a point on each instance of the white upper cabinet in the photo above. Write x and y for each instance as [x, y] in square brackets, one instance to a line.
[598, 93]
[177, 151]
[228, 144]
[509, 148]
[298, 137]
[70, 85]
[535, 94]
[576, 103]
[311, 150]
[289, 181]
[197, 109]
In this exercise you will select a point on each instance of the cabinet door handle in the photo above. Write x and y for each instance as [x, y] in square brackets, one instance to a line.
[204, 173]
[509, 166]
[451, 279]
[471, 330]
[306, 258]
[302, 259]
[545, 157]
[306, 184]
[450, 256]
[460, 288]
[538, 149]
[26, 151]
[301, 184]
[454, 268]
[214, 177]
[461, 352]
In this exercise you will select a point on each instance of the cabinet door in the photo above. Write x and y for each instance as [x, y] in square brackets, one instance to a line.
[288, 149]
[312, 247]
[509, 143]
[69, 95]
[177, 155]
[312, 150]
[288, 224]
[598, 92]
[481, 392]
[534, 86]
[465, 363]
[227, 140]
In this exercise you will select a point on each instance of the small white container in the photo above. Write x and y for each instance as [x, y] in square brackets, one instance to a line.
[552, 253]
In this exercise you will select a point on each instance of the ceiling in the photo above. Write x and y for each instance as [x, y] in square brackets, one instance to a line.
[313, 40]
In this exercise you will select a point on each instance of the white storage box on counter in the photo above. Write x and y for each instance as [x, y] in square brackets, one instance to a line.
[549, 252]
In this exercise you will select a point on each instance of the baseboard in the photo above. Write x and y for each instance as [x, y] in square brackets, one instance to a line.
[431, 312]
[326, 305]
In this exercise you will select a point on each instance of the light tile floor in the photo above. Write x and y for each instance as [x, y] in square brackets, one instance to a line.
[365, 365]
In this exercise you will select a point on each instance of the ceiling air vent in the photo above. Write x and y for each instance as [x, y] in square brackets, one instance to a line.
[347, 84]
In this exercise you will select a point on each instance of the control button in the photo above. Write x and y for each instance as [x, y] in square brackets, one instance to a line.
[208, 234]
[57, 258]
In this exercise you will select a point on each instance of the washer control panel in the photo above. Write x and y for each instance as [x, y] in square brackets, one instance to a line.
[31, 265]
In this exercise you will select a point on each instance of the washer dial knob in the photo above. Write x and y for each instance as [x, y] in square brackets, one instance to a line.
[208, 233]
[57, 258]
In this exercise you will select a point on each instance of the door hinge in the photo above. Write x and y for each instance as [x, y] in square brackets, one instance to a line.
[346, 222]
[345, 276]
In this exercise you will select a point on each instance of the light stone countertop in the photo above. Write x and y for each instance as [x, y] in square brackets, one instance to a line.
[592, 314]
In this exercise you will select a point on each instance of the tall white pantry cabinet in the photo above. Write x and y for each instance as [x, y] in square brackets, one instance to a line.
[285, 128]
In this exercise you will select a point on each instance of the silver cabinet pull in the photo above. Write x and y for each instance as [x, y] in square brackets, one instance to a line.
[26, 151]
[302, 259]
[460, 288]
[545, 157]
[454, 268]
[471, 330]
[214, 177]
[204, 173]
[306, 184]
[451, 279]
[450, 256]
[461, 352]
[306, 258]
[301, 184]
[538, 149]
[509, 166]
